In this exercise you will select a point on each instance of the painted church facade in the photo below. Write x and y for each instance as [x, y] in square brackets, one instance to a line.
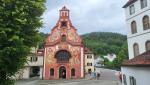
[63, 51]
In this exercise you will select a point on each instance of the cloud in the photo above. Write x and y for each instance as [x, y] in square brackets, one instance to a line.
[88, 15]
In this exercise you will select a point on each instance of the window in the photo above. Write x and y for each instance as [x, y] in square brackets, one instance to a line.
[89, 71]
[63, 56]
[89, 56]
[132, 9]
[132, 81]
[63, 38]
[143, 3]
[124, 80]
[51, 72]
[136, 49]
[133, 27]
[89, 64]
[146, 24]
[72, 72]
[33, 59]
[147, 45]
[63, 24]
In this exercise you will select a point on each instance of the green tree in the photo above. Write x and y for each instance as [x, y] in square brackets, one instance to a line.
[19, 23]
[122, 55]
[117, 62]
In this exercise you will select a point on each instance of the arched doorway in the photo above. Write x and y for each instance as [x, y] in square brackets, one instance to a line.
[62, 72]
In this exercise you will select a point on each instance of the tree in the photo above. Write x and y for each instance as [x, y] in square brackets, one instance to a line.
[117, 62]
[102, 43]
[122, 55]
[19, 23]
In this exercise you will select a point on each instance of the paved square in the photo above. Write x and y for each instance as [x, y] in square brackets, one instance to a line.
[68, 82]
[107, 78]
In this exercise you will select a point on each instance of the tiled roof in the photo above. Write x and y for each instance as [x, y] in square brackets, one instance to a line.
[40, 52]
[140, 60]
[129, 3]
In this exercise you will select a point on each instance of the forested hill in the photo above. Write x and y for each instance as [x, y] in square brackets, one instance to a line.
[102, 43]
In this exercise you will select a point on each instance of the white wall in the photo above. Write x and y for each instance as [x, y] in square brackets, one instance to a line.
[140, 40]
[41, 72]
[26, 73]
[141, 74]
[138, 9]
[89, 60]
[142, 35]
[39, 61]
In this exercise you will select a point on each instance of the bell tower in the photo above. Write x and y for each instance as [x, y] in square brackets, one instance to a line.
[64, 21]
[64, 13]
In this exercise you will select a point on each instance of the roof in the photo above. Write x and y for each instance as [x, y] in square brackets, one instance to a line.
[40, 52]
[65, 9]
[86, 50]
[140, 60]
[129, 3]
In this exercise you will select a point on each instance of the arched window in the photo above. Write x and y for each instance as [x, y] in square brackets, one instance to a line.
[72, 72]
[133, 27]
[51, 72]
[136, 49]
[143, 3]
[63, 38]
[146, 24]
[147, 45]
[63, 56]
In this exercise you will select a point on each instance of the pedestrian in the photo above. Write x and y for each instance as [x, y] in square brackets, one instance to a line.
[94, 75]
[120, 77]
[98, 76]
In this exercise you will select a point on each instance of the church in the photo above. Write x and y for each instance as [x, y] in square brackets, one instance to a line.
[63, 57]
[63, 51]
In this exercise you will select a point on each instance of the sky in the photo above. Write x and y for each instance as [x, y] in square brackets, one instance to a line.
[88, 15]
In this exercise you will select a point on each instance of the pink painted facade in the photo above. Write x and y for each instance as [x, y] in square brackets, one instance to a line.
[64, 41]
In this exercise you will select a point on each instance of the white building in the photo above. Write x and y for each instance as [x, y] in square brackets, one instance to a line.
[136, 71]
[98, 61]
[89, 61]
[34, 67]
[110, 57]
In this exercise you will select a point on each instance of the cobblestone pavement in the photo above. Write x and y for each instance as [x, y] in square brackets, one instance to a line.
[107, 78]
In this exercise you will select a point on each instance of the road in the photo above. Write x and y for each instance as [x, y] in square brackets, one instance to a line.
[107, 74]
[107, 78]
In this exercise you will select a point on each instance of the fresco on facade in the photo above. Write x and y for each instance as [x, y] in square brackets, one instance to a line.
[50, 55]
[54, 43]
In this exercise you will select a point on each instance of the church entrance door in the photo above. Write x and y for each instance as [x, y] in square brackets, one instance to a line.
[62, 72]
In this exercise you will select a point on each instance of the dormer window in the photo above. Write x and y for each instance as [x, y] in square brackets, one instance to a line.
[64, 24]
[132, 9]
